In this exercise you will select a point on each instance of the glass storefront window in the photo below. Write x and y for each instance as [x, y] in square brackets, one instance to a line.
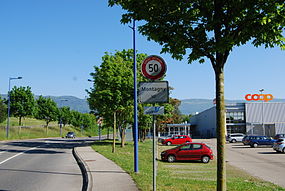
[235, 117]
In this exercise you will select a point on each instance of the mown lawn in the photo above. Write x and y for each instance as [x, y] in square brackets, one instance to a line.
[178, 176]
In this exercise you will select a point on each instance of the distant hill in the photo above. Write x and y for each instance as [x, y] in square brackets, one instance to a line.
[74, 103]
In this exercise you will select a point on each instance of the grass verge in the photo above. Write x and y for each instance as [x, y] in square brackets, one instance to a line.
[33, 128]
[178, 176]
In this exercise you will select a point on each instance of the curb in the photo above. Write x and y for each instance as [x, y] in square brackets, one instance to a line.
[86, 175]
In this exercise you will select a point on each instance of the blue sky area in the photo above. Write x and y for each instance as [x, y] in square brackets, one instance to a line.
[54, 45]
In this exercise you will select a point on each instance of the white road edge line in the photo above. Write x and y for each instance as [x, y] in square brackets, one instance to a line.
[18, 154]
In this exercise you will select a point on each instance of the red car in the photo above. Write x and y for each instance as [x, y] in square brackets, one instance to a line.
[189, 151]
[177, 140]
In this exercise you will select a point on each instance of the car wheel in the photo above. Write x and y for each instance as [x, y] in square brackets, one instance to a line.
[255, 145]
[283, 150]
[168, 143]
[234, 141]
[171, 158]
[205, 159]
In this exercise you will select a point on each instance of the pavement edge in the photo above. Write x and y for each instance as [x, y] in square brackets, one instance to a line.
[86, 174]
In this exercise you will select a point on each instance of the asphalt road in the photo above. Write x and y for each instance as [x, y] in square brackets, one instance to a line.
[261, 162]
[41, 164]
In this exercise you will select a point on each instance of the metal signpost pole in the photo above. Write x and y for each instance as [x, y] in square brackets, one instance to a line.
[153, 154]
[100, 126]
[60, 127]
[153, 68]
[135, 128]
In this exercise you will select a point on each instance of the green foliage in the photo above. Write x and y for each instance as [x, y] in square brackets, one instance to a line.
[207, 27]
[22, 102]
[89, 121]
[46, 109]
[64, 115]
[77, 119]
[113, 86]
[3, 111]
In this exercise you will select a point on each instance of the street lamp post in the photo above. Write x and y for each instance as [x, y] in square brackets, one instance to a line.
[8, 119]
[263, 128]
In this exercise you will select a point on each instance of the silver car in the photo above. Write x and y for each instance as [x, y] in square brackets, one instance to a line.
[235, 137]
[279, 145]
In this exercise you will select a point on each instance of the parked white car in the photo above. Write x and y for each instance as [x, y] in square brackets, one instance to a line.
[279, 145]
[235, 137]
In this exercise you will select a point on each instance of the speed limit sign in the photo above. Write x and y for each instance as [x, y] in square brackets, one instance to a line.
[153, 67]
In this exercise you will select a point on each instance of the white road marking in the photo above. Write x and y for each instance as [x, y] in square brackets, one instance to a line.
[17, 154]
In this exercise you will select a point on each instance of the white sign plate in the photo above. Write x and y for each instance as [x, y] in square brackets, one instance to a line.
[153, 92]
[154, 110]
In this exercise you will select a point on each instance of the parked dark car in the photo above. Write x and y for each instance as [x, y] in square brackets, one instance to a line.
[255, 141]
[70, 135]
[247, 138]
[279, 136]
[188, 151]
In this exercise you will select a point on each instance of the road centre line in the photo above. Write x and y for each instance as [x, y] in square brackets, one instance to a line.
[18, 154]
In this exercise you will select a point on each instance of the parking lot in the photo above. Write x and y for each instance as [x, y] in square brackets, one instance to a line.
[262, 162]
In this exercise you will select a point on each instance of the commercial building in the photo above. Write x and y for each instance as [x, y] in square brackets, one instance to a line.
[251, 118]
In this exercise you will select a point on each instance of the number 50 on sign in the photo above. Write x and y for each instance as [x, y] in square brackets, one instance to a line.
[153, 67]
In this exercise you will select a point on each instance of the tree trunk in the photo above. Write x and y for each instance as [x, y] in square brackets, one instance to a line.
[20, 121]
[114, 134]
[221, 130]
[108, 137]
[123, 137]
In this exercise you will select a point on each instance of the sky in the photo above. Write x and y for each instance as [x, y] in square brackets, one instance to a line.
[55, 44]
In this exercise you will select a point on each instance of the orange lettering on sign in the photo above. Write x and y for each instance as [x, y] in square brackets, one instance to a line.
[257, 97]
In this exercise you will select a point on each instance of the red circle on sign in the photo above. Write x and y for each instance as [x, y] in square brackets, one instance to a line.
[153, 67]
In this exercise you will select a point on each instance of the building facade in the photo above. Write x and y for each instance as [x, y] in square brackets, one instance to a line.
[252, 118]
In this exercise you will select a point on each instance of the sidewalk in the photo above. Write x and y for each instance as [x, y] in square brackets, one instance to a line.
[104, 174]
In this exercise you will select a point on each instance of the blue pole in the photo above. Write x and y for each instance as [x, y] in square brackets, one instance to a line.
[8, 119]
[136, 165]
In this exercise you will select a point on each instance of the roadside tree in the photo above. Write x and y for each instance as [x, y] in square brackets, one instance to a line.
[46, 110]
[77, 119]
[89, 123]
[3, 111]
[22, 102]
[64, 115]
[112, 92]
[209, 29]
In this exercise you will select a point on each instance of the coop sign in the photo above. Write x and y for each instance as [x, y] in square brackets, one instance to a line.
[259, 97]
